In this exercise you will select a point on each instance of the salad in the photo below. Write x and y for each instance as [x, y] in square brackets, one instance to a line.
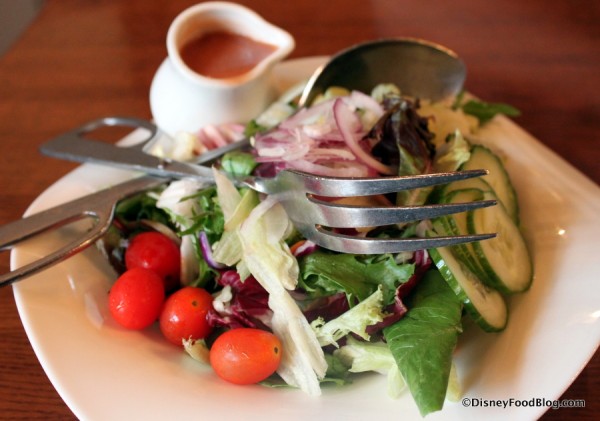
[233, 283]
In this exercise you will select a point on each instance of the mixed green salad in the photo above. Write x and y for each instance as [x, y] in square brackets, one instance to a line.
[338, 314]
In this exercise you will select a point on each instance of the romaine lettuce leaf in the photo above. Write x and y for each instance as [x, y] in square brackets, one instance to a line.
[423, 341]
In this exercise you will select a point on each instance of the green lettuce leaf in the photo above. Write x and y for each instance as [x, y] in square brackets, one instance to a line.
[358, 276]
[337, 375]
[238, 164]
[192, 207]
[455, 152]
[361, 356]
[356, 320]
[485, 111]
[423, 341]
[141, 206]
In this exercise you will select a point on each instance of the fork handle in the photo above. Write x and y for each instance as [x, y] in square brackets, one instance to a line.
[74, 146]
[101, 224]
[98, 206]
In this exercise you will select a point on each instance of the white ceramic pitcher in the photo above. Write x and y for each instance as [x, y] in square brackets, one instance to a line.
[183, 100]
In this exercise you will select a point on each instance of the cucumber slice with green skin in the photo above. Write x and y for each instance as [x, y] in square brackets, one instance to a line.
[442, 193]
[470, 183]
[498, 179]
[505, 259]
[485, 305]
[456, 224]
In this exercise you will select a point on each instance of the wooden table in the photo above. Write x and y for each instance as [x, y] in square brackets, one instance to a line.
[81, 60]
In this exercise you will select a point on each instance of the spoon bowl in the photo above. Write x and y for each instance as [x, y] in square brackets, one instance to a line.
[419, 68]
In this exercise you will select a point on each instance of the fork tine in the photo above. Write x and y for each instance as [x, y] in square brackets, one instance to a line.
[349, 216]
[344, 187]
[360, 245]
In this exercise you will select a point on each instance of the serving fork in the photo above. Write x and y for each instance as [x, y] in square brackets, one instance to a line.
[426, 70]
[301, 194]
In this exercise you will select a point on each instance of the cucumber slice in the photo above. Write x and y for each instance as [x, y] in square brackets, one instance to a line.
[442, 192]
[498, 179]
[505, 259]
[456, 224]
[470, 183]
[485, 305]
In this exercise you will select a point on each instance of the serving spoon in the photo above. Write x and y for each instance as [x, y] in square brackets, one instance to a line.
[417, 67]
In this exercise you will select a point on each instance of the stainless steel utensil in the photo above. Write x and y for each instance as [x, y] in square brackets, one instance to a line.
[295, 190]
[74, 146]
[419, 68]
[98, 207]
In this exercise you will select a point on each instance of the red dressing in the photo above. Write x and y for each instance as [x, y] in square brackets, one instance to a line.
[224, 55]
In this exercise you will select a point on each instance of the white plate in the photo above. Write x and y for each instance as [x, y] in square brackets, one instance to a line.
[103, 372]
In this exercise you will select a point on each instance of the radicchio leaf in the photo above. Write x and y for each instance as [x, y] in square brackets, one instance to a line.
[398, 309]
[402, 135]
[248, 306]
[328, 307]
[403, 140]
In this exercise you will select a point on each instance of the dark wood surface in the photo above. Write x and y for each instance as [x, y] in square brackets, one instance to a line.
[85, 59]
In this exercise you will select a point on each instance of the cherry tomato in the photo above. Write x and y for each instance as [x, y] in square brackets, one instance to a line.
[136, 298]
[245, 355]
[184, 315]
[155, 251]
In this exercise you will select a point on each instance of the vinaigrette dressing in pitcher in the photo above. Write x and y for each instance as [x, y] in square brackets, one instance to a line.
[218, 69]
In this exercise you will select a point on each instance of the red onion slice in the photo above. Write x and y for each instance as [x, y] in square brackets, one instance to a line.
[346, 120]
